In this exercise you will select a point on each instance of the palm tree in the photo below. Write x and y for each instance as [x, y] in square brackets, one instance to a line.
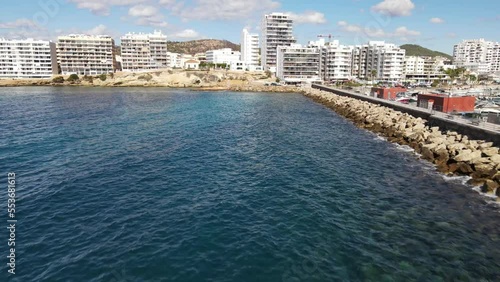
[373, 74]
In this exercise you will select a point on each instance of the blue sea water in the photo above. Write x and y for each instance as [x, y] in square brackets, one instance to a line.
[170, 185]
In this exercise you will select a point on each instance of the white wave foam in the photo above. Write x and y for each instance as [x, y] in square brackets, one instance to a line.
[379, 138]
[455, 178]
[478, 189]
[404, 148]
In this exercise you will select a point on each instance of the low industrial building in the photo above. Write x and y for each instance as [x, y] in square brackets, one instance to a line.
[447, 104]
[386, 93]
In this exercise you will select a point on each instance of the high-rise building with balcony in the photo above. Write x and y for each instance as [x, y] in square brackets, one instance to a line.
[477, 55]
[144, 51]
[335, 60]
[297, 64]
[378, 60]
[249, 48]
[27, 58]
[277, 31]
[86, 54]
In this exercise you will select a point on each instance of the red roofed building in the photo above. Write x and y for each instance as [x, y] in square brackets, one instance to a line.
[447, 104]
[388, 93]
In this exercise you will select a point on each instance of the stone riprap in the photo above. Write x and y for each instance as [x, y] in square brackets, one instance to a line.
[452, 153]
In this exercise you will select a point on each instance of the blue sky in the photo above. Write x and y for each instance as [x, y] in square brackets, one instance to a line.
[435, 24]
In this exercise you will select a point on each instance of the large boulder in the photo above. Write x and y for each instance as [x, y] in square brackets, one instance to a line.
[427, 152]
[495, 159]
[467, 155]
[486, 169]
[489, 151]
[490, 187]
[464, 168]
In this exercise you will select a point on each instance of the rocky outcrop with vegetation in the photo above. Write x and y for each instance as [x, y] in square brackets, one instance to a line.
[452, 153]
[200, 46]
[160, 78]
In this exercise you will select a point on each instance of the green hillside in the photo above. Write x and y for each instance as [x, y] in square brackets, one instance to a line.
[417, 50]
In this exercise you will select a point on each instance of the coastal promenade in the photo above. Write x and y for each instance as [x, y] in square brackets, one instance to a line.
[477, 130]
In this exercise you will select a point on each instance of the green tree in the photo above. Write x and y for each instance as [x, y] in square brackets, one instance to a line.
[58, 79]
[74, 77]
[373, 74]
[103, 77]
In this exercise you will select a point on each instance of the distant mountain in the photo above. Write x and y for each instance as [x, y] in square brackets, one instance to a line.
[200, 46]
[417, 50]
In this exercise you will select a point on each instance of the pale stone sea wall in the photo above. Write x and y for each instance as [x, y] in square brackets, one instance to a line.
[450, 152]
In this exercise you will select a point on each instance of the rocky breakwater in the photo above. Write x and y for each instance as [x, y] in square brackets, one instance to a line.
[253, 87]
[452, 153]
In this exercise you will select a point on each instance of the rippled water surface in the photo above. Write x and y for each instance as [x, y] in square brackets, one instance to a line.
[170, 185]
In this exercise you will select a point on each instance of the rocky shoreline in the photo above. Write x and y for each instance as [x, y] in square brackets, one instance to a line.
[450, 152]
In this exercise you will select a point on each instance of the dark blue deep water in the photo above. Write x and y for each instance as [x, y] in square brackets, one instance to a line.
[171, 185]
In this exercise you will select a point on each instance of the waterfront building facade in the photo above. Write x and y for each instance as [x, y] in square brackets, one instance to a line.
[297, 64]
[86, 54]
[249, 48]
[27, 58]
[142, 52]
[477, 55]
[222, 56]
[378, 60]
[425, 69]
[277, 31]
[174, 60]
[335, 60]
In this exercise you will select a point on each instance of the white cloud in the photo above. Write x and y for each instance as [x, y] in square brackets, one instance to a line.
[349, 27]
[98, 30]
[227, 9]
[187, 33]
[19, 23]
[312, 17]
[167, 2]
[436, 20]
[147, 15]
[394, 8]
[102, 7]
[143, 11]
[401, 32]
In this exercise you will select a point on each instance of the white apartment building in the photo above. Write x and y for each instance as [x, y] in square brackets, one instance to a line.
[27, 58]
[249, 48]
[174, 60]
[335, 60]
[424, 69]
[85, 54]
[477, 55]
[383, 60]
[142, 52]
[297, 64]
[414, 65]
[223, 56]
[277, 30]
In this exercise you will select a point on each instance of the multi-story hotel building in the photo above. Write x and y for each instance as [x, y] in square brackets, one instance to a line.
[222, 56]
[249, 48]
[425, 69]
[478, 55]
[85, 54]
[277, 31]
[27, 58]
[335, 60]
[144, 51]
[297, 64]
[378, 60]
